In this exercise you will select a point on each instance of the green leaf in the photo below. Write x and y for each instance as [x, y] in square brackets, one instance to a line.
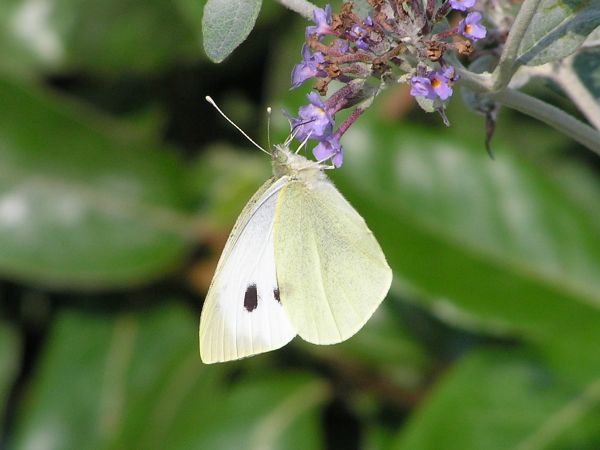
[224, 180]
[104, 37]
[504, 400]
[10, 354]
[500, 240]
[558, 29]
[586, 65]
[226, 24]
[82, 203]
[261, 412]
[382, 347]
[136, 381]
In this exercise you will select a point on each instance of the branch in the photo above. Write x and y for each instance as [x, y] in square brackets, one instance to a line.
[302, 7]
[553, 116]
[507, 65]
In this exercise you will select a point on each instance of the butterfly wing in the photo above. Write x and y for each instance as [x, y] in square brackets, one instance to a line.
[242, 313]
[333, 278]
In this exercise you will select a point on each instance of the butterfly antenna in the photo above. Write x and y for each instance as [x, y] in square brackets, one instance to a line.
[269, 127]
[291, 137]
[212, 102]
[303, 143]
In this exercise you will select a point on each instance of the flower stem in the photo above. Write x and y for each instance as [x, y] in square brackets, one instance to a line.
[507, 65]
[553, 116]
[302, 7]
[349, 121]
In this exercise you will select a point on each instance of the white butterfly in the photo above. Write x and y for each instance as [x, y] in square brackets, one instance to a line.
[299, 260]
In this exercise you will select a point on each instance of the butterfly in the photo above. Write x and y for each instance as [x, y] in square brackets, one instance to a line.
[299, 261]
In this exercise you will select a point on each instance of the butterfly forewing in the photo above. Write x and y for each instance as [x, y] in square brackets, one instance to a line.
[333, 278]
[242, 313]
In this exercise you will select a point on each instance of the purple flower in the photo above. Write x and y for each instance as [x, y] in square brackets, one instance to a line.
[308, 68]
[322, 17]
[313, 120]
[435, 84]
[340, 46]
[440, 85]
[359, 34]
[330, 148]
[462, 5]
[421, 87]
[470, 27]
[450, 73]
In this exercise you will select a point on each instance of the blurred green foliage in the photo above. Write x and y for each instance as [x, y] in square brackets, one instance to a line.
[118, 186]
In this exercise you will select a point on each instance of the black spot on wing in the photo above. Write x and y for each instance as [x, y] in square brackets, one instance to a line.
[251, 298]
[276, 294]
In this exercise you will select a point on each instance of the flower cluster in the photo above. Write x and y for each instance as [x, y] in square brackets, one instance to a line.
[315, 121]
[399, 41]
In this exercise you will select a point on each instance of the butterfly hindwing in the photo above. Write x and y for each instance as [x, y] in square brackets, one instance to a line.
[332, 274]
[242, 313]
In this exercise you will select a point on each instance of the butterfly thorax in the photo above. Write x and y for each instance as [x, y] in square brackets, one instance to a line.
[287, 163]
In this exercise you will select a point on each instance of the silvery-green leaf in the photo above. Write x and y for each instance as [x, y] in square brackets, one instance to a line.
[587, 67]
[558, 29]
[593, 40]
[226, 24]
[426, 104]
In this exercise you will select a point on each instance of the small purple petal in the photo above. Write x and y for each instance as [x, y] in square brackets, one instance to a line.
[357, 31]
[329, 148]
[338, 158]
[340, 46]
[473, 17]
[301, 73]
[462, 5]
[306, 53]
[421, 87]
[313, 120]
[470, 27]
[322, 18]
[323, 151]
[450, 73]
[308, 68]
[315, 100]
[360, 34]
[362, 44]
[440, 85]
[434, 85]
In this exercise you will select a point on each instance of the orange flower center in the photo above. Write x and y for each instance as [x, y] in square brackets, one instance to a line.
[436, 83]
[468, 28]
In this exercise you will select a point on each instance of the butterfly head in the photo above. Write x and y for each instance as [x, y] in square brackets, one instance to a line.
[286, 162]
